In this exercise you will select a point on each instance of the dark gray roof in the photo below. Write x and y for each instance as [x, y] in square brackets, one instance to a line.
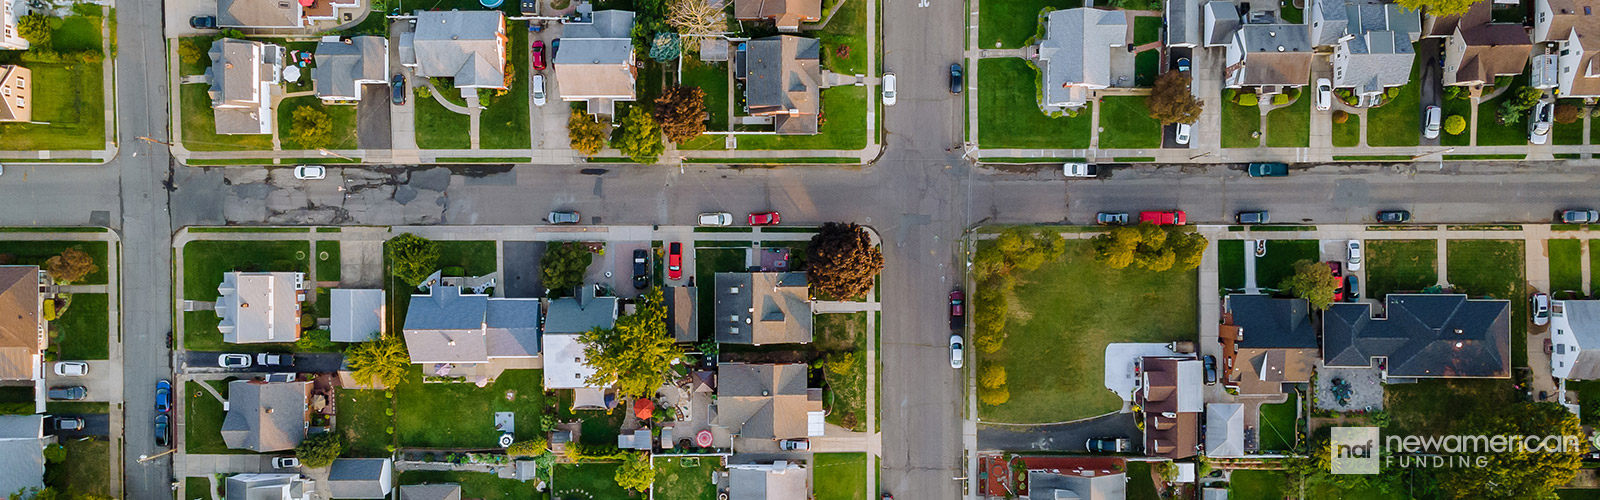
[265, 487]
[342, 66]
[447, 327]
[512, 326]
[1422, 336]
[762, 308]
[1222, 21]
[446, 309]
[1076, 51]
[1183, 24]
[606, 24]
[570, 315]
[359, 478]
[468, 46]
[782, 74]
[265, 416]
[1267, 323]
[430, 492]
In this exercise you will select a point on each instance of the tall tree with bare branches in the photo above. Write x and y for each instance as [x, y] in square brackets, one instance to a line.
[698, 18]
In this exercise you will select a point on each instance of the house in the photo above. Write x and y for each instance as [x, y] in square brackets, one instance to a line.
[1269, 57]
[10, 37]
[1266, 343]
[683, 312]
[763, 308]
[1182, 19]
[781, 76]
[1171, 399]
[586, 311]
[565, 364]
[1224, 430]
[780, 480]
[1213, 493]
[596, 61]
[357, 315]
[1081, 484]
[266, 416]
[1575, 339]
[1222, 22]
[260, 307]
[1569, 25]
[450, 329]
[1075, 54]
[16, 94]
[22, 443]
[767, 401]
[344, 65]
[23, 330]
[467, 46]
[361, 478]
[1476, 51]
[260, 14]
[268, 487]
[786, 14]
[1422, 336]
[1371, 41]
[333, 10]
[449, 491]
[242, 75]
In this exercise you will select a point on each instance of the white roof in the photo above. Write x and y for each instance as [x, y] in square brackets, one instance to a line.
[814, 421]
[357, 315]
[1190, 385]
[565, 366]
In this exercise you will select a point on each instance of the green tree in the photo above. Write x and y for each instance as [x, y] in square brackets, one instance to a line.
[55, 454]
[842, 261]
[1171, 101]
[1117, 247]
[1312, 281]
[995, 396]
[563, 266]
[992, 376]
[319, 450]
[587, 132]
[384, 361]
[637, 353]
[1189, 249]
[35, 28]
[413, 257]
[313, 128]
[190, 51]
[315, 339]
[71, 266]
[635, 473]
[1519, 473]
[529, 448]
[681, 113]
[640, 138]
[665, 47]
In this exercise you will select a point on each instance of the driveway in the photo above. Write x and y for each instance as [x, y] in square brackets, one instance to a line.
[97, 381]
[317, 362]
[615, 268]
[1060, 437]
[521, 278]
[94, 424]
[1432, 87]
[372, 118]
[1169, 133]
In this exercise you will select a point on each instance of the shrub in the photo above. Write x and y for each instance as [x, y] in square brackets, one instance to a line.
[1339, 116]
[1248, 100]
[1568, 113]
[1391, 92]
[1280, 99]
[55, 454]
[1455, 125]
[994, 397]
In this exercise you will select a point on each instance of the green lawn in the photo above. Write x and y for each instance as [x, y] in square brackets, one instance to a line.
[1230, 265]
[1490, 131]
[1566, 265]
[1008, 25]
[83, 332]
[440, 128]
[1146, 29]
[847, 393]
[503, 124]
[1291, 14]
[1594, 134]
[363, 423]
[204, 263]
[200, 125]
[1278, 424]
[1364, 491]
[1238, 123]
[1458, 107]
[1290, 127]
[1347, 134]
[1141, 485]
[598, 426]
[86, 471]
[713, 79]
[328, 268]
[1568, 134]
[70, 109]
[1127, 123]
[1282, 255]
[839, 476]
[1588, 400]
[35, 253]
[1256, 485]
[844, 41]
[1146, 67]
[462, 414]
[1493, 268]
[475, 258]
[484, 485]
[202, 419]
[1578, 494]
[1008, 109]
[1052, 380]
[686, 478]
[1433, 407]
[1400, 266]
[708, 262]
[342, 117]
[588, 481]
[197, 488]
[1398, 122]
[844, 124]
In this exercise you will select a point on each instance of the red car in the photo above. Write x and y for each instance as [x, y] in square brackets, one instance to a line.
[1172, 218]
[958, 313]
[675, 261]
[764, 219]
[538, 55]
[1338, 272]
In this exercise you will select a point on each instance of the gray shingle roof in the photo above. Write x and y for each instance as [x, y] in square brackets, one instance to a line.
[1267, 323]
[764, 401]
[781, 80]
[1222, 21]
[430, 492]
[259, 14]
[344, 65]
[1583, 323]
[359, 478]
[468, 46]
[239, 69]
[683, 315]
[1224, 430]
[1422, 336]
[1076, 51]
[767, 482]
[21, 452]
[568, 315]
[1044, 485]
[447, 326]
[357, 315]
[265, 416]
[1183, 23]
[762, 308]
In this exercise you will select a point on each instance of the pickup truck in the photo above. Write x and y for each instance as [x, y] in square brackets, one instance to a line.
[1269, 169]
[1159, 218]
[1106, 445]
[1081, 170]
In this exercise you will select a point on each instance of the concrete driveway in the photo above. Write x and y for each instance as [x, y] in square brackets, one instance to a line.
[1060, 437]
[615, 268]
[178, 13]
[97, 381]
[1428, 52]
[548, 122]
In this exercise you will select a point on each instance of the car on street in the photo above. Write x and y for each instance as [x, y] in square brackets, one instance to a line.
[1539, 308]
[274, 360]
[1394, 217]
[1430, 122]
[1164, 218]
[72, 368]
[675, 261]
[163, 396]
[794, 444]
[203, 22]
[1539, 122]
[538, 55]
[1181, 135]
[1252, 217]
[958, 354]
[1324, 96]
[889, 89]
[163, 430]
[1353, 255]
[955, 78]
[716, 219]
[1268, 169]
[1111, 218]
[68, 393]
[66, 423]
[1337, 268]
[1183, 64]
[1078, 169]
[285, 462]
[1211, 370]
[563, 217]
[641, 268]
[958, 310]
[397, 89]
[1352, 288]
[764, 219]
[1579, 216]
[538, 90]
[310, 172]
[234, 361]
[1106, 445]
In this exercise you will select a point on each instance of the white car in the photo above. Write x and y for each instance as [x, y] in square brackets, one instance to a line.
[1540, 309]
[286, 462]
[1182, 135]
[72, 368]
[538, 90]
[1430, 122]
[958, 353]
[1539, 122]
[1324, 94]
[234, 360]
[1353, 260]
[716, 219]
[794, 445]
[310, 172]
[889, 89]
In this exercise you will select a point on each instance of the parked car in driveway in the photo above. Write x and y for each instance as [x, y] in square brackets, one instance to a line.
[397, 89]
[1164, 218]
[958, 310]
[66, 423]
[1539, 122]
[310, 172]
[163, 430]
[274, 360]
[955, 78]
[794, 444]
[1352, 288]
[538, 55]
[285, 462]
[67, 393]
[1337, 268]
[765, 219]
[958, 355]
[234, 361]
[1353, 255]
[1430, 122]
[163, 396]
[716, 219]
[1211, 369]
[1106, 445]
[1111, 218]
[1181, 135]
[1580, 216]
[563, 217]
[1539, 308]
[1394, 216]
[1268, 169]
[1324, 95]
[675, 261]
[641, 268]
[1183, 64]
[538, 90]
[890, 92]
[72, 368]
[203, 22]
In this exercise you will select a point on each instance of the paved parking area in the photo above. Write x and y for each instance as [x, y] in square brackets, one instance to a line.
[548, 121]
[521, 278]
[98, 381]
[178, 13]
[615, 268]
[373, 130]
[94, 424]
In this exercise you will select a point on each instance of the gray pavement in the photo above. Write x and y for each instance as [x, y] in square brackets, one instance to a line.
[1069, 437]
[316, 362]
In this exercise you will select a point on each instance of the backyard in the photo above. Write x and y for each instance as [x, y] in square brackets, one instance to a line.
[1240, 124]
[83, 332]
[844, 40]
[1141, 484]
[1398, 121]
[686, 478]
[1433, 407]
[86, 472]
[844, 337]
[461, 414]
[1462, 108]
[1127, 123]
[1279, 423]
[1400, 266]
[342, 134]
[1008, 25]
[1290, 126]
[481, 485]
[202, 419]
[1566, 266]
[363, 421]
[1008, 109]
[1493, 268]
[1490, 131]
[68, 111]
[1256, 485]
[839, 476]
[587, 480]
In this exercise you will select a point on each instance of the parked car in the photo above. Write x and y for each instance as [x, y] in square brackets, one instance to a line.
[1106, 445]
[285, 462]
[397, 89]
[1111, 218]
[1539, 122]
[675, 261]
[764, 219]
[274, 360]
[1394, 216]
[1324, 95]
[68, 393]
[957, 351]
[163, 430]
[538, 55]
[1183, 64]
[1268, 169]
[1337, 268]
[1353, 255]
[234, 361]
[794, 445]
[538, 90]
[889, 89]
[1352, 288]
[1539, 306]
[66, 423]
[958, 312]
[1430, 122]
[1078, 169]
[564, 217]
[1580, 216]
[163, 396]
[716, 219]
[203, 22]
[1252, 217]
[1211, 369]
[641, 268]
[72, 368]
[1181, 136]
[955, 78]
[310, 172]
[1164, 218]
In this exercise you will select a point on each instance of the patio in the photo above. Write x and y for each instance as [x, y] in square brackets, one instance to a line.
[1366, 389]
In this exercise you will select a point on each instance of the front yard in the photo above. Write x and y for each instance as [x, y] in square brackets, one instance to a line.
[461, 415]
[503, 123]
[1566, 266]
[342, 135]
[83, 332]
[839, 476]
[1490, 131]
[1008, 110]
[204, 263]
[1347, 134]
[712, 78]
[1462, 108]
[844, 337]
[1493, 268]
[589, 481]
[440, 128]
[482, 485]
[1398, 121]
[202, 419]
[1271, 269]
[688, 478]
[1400, 266]
[1290, 126]
[1240, 125]
[35, 253]
[1127, 123]
[844, 39]
[843, 125]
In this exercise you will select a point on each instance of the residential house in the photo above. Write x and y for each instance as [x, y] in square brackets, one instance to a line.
[596, 61]
[1269, 57]
[1266, 343]
[467, 46]
[451, 330]
[10, 37]
[345, 65]
[260, 307]
[1371, 41]
[1575, 339]
[1222, 22]
[361, 478]
[1213, 493]
[448, 491]
[786, 14]
[781, 76]
[565, 364]
[1078, 484]
[780, 480]
[1224, 430]
[23, 330]
[1422, 336]
[683, 312]
[767, 401]
[242, 75]
[22, 443]
[268, 487]
[763, 308]
[16, 94]
[1075, 54]
[1476, 51]
[1171, 398]
[266, 416]
[357, 315]
[334, 10]
[1182, 20]
[1435, 26]
[1573, 27]
[260, 14]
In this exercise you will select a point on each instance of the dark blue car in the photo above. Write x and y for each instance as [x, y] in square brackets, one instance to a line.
[955, 78]
[163, 396]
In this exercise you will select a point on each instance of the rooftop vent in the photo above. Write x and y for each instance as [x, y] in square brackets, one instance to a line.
[1280, 48]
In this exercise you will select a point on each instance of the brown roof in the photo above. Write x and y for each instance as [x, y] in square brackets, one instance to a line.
[788, 14]
[764, 401]
[1273, 68]
[1570, 15]
[1264, 371]
[1493, 50]
[1168, 431]
[1581, 85]
[20, 338]
[16, 103]
[1478, 14]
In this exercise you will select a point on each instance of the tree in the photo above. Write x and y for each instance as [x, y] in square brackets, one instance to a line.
[71, 266]
[637, 353]
[530, 448]
[994, 396]
[190, 51]
[992, 376]
[1340, 116]
[640, 138]
[587, 132]
[1519, 473]
[698, 18]
[1171, 101]
[666, 46]
[1150, 247]
[681, 113]
[1509, 113]
[1568, 113]
[1117, 247]
[384, 361]
[35, 28]
[563, 266]
[1455, 125]
[635, 473]
[319, 450]
[55, 454]
[1526, 97]
[413, 257]
[312, 127]
[1312, 281]
[1188, 249]
[842, 261]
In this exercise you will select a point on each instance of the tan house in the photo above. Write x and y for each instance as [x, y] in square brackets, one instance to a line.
[10, 38]
[16, 94]
[1477, 51]
[780, 76]
[786, 14]
[767, 401]
[1269, 57]
[596, 63]
[22, 325]
[762, 308]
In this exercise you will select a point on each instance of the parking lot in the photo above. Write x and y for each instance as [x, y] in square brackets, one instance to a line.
[97, 381]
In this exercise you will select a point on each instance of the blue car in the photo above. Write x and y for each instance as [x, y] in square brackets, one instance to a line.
[163, 396]
[955, 78]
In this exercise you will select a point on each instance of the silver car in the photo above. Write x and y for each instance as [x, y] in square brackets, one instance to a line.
[1353, 260]
[1430, 124]
[563, 217]
[958, 357]
[1539, 122]
[538, 90]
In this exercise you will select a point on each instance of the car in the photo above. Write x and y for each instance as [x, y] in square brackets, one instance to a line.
[764, 219]
[1580, 216]
[163, 396]
[163, 430]
[203, 22]
[538, 55]
[1252, 217]
[716, 219]
[1076, 169]
[1337, 268]
[794, 444]
[72, 368]
[1111, 218]
[1539, 122]
[68, 393]
[274, 360]
[675, 261]
[310, 172]
[955, 78]
[1539, 308]
[889, 89]
[1181, 136]
[397, 89]
[1394, 216]
[641, 268]
[563, 217]
[1183, 64]
[1324, 95]
[538, 90]
[234, 361]
[1430, 122]
[1211, 370]
[285, 462]
[958, 310]
[1352, 288]
[66, 423]
[1268, 169]
[1163, 218]
[1353, 255]
[1106, 445]
[958, 353]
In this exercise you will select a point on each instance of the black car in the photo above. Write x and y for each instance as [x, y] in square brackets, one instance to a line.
[955, 78]
[1211, 370]
[163, 430]
[1352, 288]
[203, 22]
[66, 423]
[641, 268]
[68, 393]
[1394, 216]
[397, 86]
[1252, 217]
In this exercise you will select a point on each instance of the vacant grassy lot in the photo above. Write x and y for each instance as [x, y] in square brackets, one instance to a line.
[1008, 109]
[839, 476]
[202, 418]
[484, 485]
[844, 111]
[462, 414]
[712, 78]
[83, 332]
[847, 392]
[1347, 134]
[1290, 126]
[686, 478]
[1490, 131]
[328, 267]
[1008, 25]
[1077, 298]
[1566, 265]
[35, 253]
[586, 481]
[440, 128]
[69, 109]
[1127, 123]
[1398, 122]
[1400, 266]
[1278, 424]
[1433, 407]
[1493, 268]
[363, 422]
[343, 118]
[1256, 485]
[1238, 125]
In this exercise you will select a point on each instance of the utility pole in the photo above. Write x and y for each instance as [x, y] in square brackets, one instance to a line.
[157, 141]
